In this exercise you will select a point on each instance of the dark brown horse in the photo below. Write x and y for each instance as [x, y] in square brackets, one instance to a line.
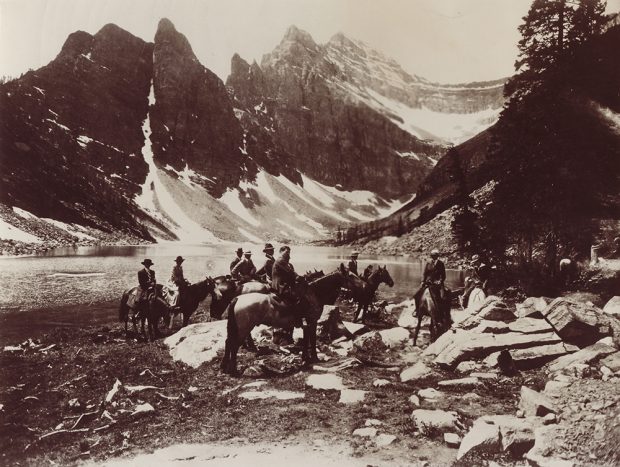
[140, 311]
[365, 294]
[188, 301]
[249, 310]
[439, 314]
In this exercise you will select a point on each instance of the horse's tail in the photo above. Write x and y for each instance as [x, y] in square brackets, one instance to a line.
[231, 326]
[123, 309]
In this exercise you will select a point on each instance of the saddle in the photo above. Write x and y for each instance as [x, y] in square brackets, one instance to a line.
[170, 294]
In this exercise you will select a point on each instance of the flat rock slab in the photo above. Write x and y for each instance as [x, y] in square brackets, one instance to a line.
[351, 396]
[612, 307]
[384, 439]
[473, 346]
[533, 307]
[584, 356]
[612, 362]
[452, 439]
[482, 437]
[493, 309]
[535, 404]
[443, 342]
[417, 371]
[462, 383]
[536, 357]
[429, 421]
[272, 393]
[328, 381]
[355, 328]
[530, 326]
[492, 327]
[365, 432]
[580, 324]
[430, 394]
[197, 343]
[395, 337]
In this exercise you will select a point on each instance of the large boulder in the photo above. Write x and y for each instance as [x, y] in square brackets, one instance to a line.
[580, 324]
[612, 307]
[429, 422]
[197, 343]
[612, 362]
[529, 326]
[474, 346]
[536, 357]
[532, 307]
[584, 356]
[418, 371]
[492, 309]
[541, 453]
[482, 437]
[535, 404]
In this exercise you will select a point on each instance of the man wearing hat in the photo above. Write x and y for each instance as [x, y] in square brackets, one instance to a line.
[177, 280]
[267, 268]
[434, 277]
[244, 271]
[353, 263]
[146, 279]
[237, 259]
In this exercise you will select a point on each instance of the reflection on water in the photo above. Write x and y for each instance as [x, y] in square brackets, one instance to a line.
[91, 275]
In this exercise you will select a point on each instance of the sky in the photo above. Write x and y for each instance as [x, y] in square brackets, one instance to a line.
[446, 41]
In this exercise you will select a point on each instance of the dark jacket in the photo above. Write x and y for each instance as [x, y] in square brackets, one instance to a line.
[267, 268]
[244, 269]
[283, 275]
[234, 263]
[353, 266]
[434, 271]
[146, 279]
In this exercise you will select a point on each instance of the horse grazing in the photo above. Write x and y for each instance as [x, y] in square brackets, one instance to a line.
[440, 319]
[249, 310]
[365, 293]
[188, 301]
[140, 310]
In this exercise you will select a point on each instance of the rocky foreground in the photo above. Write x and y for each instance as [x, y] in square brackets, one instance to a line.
[531, 385]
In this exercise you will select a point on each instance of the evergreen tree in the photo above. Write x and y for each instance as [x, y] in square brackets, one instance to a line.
[464, 223]
[588, 20]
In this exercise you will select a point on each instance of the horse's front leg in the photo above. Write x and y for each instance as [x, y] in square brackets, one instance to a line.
[185, 319]
[357, 312]
[305, 345]
[417, 329]
[313, 353]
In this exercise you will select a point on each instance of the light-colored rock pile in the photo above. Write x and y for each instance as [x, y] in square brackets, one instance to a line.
[540, 331]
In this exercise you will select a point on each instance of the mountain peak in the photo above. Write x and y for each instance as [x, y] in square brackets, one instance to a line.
[294, 34]
[165, 25]
[167, 33]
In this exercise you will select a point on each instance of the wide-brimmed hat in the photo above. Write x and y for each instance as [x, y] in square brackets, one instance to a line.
[268, 247]
[247, 252]
[179, 259]
[239, 251]
[475, 258]
[434, 252]
[355, 253]
[148, 262]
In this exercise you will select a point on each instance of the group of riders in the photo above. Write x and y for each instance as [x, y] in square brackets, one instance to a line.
[280, 274]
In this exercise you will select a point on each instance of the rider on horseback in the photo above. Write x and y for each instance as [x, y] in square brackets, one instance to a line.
[353, 263]
[367, 272]
[267, 270]
[433, 278]
[245, 270]
[146, 279]
[235, 261]
[177, 279]
[284, 279]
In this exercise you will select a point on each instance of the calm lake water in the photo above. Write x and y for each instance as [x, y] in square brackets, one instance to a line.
[82, 285]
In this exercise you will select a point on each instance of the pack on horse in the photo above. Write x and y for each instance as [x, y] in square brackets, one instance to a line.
[188, 301]
[365, 294]
[249, 310]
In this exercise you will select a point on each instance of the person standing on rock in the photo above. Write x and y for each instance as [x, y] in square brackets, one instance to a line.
[245, 270]
[267, 268]
[353, 263]
[237, 259]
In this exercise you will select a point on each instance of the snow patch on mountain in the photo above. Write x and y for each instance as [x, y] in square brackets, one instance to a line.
[10, 232]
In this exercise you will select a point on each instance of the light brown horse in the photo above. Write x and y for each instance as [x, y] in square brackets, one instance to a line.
[249, 310]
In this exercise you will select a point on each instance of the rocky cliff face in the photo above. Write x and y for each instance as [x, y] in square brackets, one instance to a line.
[121, 135]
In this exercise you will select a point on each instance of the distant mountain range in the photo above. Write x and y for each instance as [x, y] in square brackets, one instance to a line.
[118, 136]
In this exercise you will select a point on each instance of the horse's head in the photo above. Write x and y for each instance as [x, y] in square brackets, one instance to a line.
[312, 275]
[385, 276]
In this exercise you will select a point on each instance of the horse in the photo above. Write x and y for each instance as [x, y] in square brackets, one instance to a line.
[365, 294]
[440, 320]
[188, 301]
[229, 289]
[140, 310]
[249, 310]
